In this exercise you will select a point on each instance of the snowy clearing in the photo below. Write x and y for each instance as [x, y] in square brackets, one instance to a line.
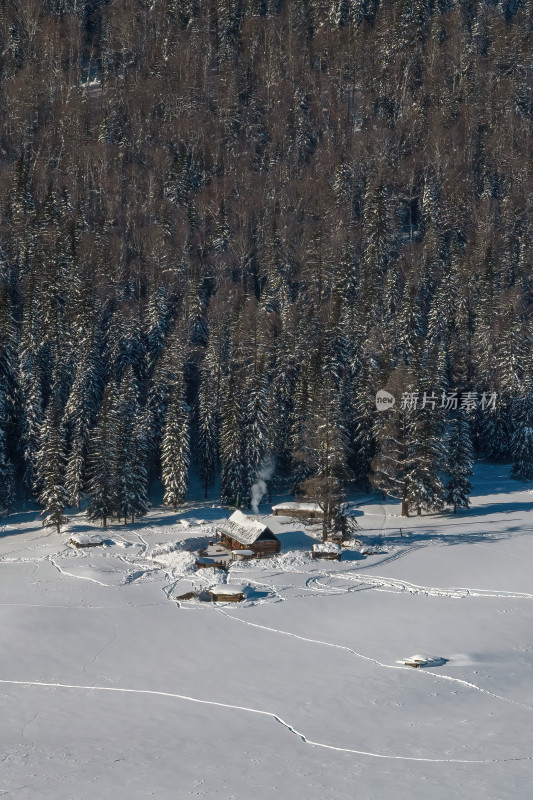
[111, 687]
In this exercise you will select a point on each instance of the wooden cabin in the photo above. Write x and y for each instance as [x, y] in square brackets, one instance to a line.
[240, 532]
[299, 510]
[86, 540]
[226, 593]
[327, 550]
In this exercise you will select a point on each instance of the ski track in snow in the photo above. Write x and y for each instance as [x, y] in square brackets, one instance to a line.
[398, 585]
[71, 575]
[271, 715]
[371, 660]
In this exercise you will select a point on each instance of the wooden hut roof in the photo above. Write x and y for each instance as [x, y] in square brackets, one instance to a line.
[245, 530]
[293, 506]
[228, 588]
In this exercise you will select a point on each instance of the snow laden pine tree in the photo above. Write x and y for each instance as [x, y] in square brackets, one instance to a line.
[363, 446]
[325, 449]
[460, 463]
[256, 426]
[409, 455]
[522, 440]
[79, 416]
[7, 471]
[232, 456]
[131, 473]
[51, 459]
[175, 453]
[209, 408]
[389, 465]
[8, 392]
[30, 382]
[102, 461]
[425, 457]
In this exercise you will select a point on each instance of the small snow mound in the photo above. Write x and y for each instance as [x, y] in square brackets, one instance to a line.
[326, 547]
[371, 550]
[164, 549]
[420, 660]
[85, 539]
[185, 523]
[289, 561]
[179, 562]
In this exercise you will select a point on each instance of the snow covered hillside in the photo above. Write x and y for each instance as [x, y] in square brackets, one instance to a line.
[110, 688]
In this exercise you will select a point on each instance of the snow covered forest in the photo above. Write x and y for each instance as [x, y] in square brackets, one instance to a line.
[226, 224]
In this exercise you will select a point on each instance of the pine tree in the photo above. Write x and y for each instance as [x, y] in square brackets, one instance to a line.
[131, 473]
[233, 480]
[31, 386]
[53, 496]
[8, 495]
[364, 444]
[460, 462]
[325, 444]
[256, 430]
[209, 406]
[102, 461]
[7, 470]
[158, 319]
[408, 458]
[425, 457]
[522, 439]
[80, 415]
[8, 405]
[175, 453]
[389, 465]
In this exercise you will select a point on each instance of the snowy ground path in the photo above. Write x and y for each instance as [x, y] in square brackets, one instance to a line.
[110, 687]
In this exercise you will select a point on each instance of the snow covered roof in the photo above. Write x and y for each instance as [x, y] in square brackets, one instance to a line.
[419, 660]
[86, 539]
[245, 530]
[291, 506]
[227, 588]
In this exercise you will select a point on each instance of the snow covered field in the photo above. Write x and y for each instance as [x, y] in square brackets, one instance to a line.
[111, 689]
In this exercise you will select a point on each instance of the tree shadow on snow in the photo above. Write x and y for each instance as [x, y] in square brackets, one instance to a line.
[417, 537]
[295, 540]
[352, 555]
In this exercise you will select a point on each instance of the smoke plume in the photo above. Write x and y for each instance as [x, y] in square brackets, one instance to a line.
[259, 488]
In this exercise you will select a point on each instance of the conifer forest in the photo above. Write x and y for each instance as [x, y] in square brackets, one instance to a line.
[225, 225]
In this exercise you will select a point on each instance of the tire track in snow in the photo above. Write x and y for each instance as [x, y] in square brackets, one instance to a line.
[395, 584]
[271, 715]
[450, 678]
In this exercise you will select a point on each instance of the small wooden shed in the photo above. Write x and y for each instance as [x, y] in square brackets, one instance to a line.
[327, 550]
[86, 540]
[226, 593]
[300, 510]
[242, 533]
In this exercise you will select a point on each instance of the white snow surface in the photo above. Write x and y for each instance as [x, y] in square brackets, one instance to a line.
[111, 689]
